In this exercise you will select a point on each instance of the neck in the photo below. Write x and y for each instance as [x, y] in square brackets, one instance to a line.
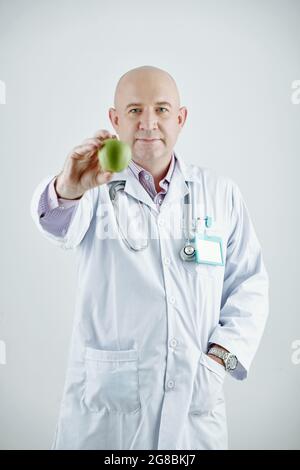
[157, 169]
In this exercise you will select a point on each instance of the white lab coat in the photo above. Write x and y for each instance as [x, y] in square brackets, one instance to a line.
[138, 375]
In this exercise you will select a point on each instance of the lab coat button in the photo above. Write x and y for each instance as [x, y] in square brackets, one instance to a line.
[173, 343]
[171, 384]
[167, 261]
[172, 300]
[160, 222]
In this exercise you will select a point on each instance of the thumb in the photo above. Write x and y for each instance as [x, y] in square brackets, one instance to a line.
[108, 175]
[104, 177]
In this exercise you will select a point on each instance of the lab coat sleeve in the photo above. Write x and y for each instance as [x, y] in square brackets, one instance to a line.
[76, 227]
[245, 295]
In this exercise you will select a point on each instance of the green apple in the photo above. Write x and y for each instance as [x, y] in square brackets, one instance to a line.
[115, 155]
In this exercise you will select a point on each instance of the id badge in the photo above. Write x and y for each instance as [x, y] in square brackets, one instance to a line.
[208, 250]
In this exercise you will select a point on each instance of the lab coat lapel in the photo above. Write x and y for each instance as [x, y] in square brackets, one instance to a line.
[178, 187]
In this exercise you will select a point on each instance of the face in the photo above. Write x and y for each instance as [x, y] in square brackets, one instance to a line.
[147, 115]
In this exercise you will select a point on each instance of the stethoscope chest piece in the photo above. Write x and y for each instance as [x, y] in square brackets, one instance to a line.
[187, 253]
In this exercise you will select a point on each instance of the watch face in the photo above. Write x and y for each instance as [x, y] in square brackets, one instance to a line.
[232, 362]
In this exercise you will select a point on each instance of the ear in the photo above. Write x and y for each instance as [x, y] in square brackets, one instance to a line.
[182, 116]
[113, 116]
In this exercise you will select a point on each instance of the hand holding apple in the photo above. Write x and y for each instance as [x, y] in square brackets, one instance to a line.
[82, 169]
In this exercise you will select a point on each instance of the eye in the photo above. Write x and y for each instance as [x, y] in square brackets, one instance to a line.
[134, 109]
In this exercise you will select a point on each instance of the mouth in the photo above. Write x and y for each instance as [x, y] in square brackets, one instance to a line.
[148, 141]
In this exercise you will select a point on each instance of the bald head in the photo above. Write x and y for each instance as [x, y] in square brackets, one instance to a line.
[141, 81]
[147, 115]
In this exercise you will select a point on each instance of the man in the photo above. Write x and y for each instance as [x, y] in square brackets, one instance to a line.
[157, 328]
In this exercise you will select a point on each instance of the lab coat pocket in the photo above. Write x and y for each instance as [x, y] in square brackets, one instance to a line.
[111, 381]
[208, 385]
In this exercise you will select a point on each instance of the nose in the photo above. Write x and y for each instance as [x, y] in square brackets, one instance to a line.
[148, 120]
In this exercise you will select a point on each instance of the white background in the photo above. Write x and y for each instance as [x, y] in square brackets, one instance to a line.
[234, 63]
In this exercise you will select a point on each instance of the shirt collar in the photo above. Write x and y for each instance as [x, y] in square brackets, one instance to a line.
[137, 169]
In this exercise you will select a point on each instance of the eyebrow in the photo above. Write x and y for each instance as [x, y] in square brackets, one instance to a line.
[160, 103]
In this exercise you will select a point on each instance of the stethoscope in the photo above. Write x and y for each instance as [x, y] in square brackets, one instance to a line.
[192, 227]
[115, 187]
[194, 224]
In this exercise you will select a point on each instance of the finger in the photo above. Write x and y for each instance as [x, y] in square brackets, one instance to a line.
[102, 134]
[84, 151]
[93, 141]
[103, 177]
[103, 138]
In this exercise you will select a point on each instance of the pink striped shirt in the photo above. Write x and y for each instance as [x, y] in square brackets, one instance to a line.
[146, 179]
[56, 213]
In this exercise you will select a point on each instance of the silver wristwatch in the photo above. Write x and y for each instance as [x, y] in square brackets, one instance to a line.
[229, 359]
